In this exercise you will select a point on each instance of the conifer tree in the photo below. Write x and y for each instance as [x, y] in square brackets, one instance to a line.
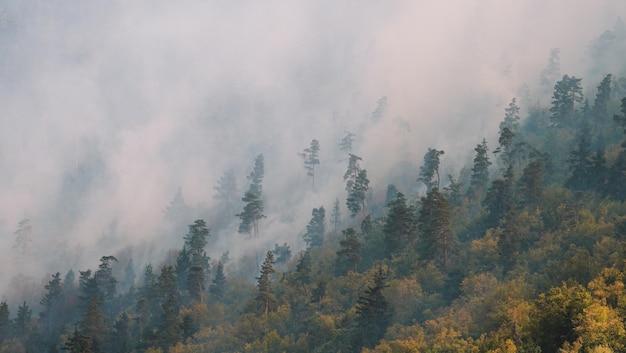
[434, 222]
[303, 268]
[335, 216]
[253, 200]
[4, 320]
[218, 284]
[480, 170]
[567, 94]
[51, 303]
[429, 171]
[600, 108]
[346, 142]
[357, 185]
[349, 254]
[169, 328]
[316, 228]
[195, 242]
[106, 282]
[551, 73]
[129, 276]
[265, 296]
[400, 225]
[310, 156]
[373, 314]
[511, 117]
[94, 325]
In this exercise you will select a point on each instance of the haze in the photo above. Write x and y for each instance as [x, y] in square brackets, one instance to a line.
[107, 108]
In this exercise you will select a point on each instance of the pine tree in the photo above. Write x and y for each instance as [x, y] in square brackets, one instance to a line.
[302, 274]
[357, 192]
[531, 183]
[23, 323]
[94, 325]
[106, 282]
[480, 170]
[4, 320]
[316, 228]
[282, 253]
[122, 341]
[400, 225]
[167, 283]
[434, 222]
[183, 263]
[310, 156]
[601, 103]
[335, 216]
[252, 213]
[169, 327]
[429, 171]
[551, 73]
[373, 314]
[256, 176]
[218, 284]
[129, 276]
[381, 109]
[195, 242]
[265, 297]
[346, 142]
[511, 117]
[51, 303]
[349, 254]
[567, 94]
[78, 343]
[226, 189]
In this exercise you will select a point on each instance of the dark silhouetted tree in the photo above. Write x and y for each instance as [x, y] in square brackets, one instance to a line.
[265, 297]
[437, 241]
[400, 225]
[316, 228]
[480, 171]
[311, 158]
[429, 171]
[282, 253]
[349, 253]
[567, 94]
[218, 285]
[195, 242]
[373, 314]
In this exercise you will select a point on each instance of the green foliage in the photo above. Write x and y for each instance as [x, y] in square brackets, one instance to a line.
[316, 228]
[567, 94]
[437, 241]
[349, 254]
[310, 156]
[429, 171]
[400, 227]
[265, 298]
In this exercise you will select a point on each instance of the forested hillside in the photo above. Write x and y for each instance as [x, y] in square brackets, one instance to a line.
[519, 248]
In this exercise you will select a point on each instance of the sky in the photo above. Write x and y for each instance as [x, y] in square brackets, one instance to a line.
[108, 108]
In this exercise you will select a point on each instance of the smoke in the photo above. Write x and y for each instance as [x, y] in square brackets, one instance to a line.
[107, 108]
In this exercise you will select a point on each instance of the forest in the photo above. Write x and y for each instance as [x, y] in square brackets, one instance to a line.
[520, 250]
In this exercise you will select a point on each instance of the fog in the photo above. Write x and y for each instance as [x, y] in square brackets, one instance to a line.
[107, 108]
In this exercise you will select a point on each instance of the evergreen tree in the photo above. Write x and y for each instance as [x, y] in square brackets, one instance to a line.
[256, 176]
[129, 276]
[505, 147]
[5, 323]
[511, 117]
[567, 93]
[531, 183]
[480, 171]
[453, 191]
[499, 199]
[177, 211]
[551, 73]
[23, 324]
[346, 142]
[88, 286]
[167, 283]
[226, 189]
[24, 237]
[106, 282]
[303, 268]
[429, 171]
[51, 305]
[580, 160]
[621, 119]
[434, 222]
[252, 213]
[400, 225]
[265, 297]
[335, 216]
[356, 195]
[78, 343]
[94, 325]
[601, 102]
[122, 341]
[282, 253]
[349, 254]
[183, 263]
[316, 228]
[310, 156]
[218, 285]
[373, 314]
[169, 327]
[195, 242]
[391, 195]
[381, 109]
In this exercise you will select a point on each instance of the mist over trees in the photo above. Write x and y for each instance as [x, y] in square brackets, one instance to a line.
[212, 177]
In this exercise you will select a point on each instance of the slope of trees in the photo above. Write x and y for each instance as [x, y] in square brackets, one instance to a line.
[522, 253]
